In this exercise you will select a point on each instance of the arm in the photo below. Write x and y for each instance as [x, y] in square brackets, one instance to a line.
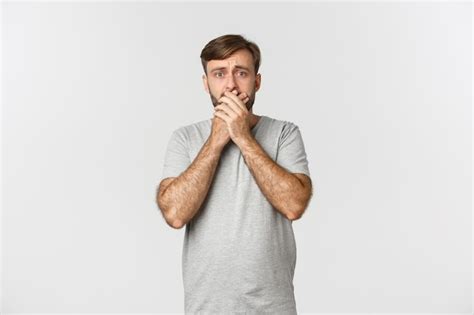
[181, 197]
[289, 193]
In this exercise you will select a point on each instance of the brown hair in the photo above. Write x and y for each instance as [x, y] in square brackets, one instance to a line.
[223, 46]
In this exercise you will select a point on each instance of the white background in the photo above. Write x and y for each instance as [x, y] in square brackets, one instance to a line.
[382, 95]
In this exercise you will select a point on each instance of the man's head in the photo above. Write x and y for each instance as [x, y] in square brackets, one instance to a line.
[230, 63]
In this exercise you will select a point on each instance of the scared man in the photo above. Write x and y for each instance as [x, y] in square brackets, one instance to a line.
[236, 181]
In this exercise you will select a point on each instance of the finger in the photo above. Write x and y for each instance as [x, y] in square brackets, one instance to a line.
[226, 109]
[244, 97]
[241, 95]
[236, 100]
[222, 115]
[231, 104]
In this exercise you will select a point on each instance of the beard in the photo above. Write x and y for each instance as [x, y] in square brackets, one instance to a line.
[249, 103]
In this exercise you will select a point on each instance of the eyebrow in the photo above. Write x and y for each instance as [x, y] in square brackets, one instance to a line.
[237, 67]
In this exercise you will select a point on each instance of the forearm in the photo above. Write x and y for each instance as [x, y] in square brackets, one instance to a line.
[182, 198]
[283, 190]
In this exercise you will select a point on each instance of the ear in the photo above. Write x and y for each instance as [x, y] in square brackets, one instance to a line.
[204, 81]
[258, 81]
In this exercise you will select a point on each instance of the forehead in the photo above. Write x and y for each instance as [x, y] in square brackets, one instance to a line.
[241, 57]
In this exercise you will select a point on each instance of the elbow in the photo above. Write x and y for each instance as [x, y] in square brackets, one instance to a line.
[167, 213]
[296, 211]
[294, 215]
[164, 206]
[172, 221]
[176, 223]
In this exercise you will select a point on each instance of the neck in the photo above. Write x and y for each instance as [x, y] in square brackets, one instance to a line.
[253, 119]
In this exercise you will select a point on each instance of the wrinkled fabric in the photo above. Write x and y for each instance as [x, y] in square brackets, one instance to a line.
[239, 252]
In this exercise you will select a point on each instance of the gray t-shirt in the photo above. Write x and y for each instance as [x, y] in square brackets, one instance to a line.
[239, 252]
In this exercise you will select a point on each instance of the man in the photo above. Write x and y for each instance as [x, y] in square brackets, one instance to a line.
[236, 181]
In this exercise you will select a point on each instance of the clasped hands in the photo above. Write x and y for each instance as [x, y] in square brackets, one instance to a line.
[234, 113]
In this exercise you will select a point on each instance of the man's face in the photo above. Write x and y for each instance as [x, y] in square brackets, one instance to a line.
[234, 73]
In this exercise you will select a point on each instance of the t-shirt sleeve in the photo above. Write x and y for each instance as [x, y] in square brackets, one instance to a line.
[176, 156]
[291, 153]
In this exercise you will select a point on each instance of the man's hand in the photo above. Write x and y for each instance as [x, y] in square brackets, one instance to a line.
[219, 133]
[234, 113]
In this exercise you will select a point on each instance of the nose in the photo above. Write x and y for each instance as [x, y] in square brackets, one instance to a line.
[231, 83]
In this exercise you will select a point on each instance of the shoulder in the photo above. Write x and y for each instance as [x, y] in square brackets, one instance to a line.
[283, 127]
[279, 122]
[187, 130]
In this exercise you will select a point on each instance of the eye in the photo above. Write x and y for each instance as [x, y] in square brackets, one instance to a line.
[242, 73]
[219, 74]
